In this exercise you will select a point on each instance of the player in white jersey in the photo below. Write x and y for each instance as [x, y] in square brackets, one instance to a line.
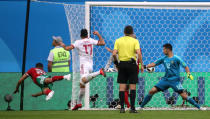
[85, 50]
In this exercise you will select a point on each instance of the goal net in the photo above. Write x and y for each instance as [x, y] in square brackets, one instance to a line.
[185, 25]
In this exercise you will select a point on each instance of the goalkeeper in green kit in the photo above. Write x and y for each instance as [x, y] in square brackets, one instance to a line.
[171, 79]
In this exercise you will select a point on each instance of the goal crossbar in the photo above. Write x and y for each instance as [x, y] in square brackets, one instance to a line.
[157, 4]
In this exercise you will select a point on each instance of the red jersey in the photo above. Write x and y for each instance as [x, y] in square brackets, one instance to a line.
[34, 73]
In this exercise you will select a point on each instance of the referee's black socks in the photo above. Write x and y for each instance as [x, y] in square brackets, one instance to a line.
[122, 98]
[132, 98]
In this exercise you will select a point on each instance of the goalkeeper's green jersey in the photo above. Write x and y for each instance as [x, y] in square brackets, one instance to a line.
[172, 66]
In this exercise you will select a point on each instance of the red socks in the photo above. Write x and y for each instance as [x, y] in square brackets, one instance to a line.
[126, 99]
[57, 78]
[47, 91]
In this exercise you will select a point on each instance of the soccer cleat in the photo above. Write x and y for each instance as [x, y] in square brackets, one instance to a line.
[203, 108]
[77, 106]
[122, 110]
[118, 107]
[67, 77]
[102, 72]
[133, 111]
[50, 95]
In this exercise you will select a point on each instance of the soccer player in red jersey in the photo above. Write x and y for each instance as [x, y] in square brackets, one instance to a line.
[41, 79]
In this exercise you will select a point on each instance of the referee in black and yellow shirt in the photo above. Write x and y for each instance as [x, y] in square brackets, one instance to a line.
[127, 47]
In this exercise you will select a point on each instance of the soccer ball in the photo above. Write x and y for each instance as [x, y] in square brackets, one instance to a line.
[151, 69]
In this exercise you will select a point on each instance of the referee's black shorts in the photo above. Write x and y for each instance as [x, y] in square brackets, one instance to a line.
[127, 73]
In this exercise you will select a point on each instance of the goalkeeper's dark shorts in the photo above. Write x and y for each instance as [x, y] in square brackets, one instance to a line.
[127, 73]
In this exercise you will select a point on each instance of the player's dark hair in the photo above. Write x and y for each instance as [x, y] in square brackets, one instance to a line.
[84, 33]
[168, 46]
[40, 65]
[128, 30]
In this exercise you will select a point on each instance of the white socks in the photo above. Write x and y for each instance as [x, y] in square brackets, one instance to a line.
[90, 76]
[81, 95]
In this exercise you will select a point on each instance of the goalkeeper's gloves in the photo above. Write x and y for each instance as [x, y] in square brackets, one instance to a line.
[116, 63]
[190, 76]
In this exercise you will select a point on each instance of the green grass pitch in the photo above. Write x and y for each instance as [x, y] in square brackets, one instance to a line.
[104, 115]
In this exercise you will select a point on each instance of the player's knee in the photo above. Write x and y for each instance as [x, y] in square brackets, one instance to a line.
[132, 87]
[82, 85]
[84, 80]
[153, 91]
[184, 96]
[122, 87]
[46, 91]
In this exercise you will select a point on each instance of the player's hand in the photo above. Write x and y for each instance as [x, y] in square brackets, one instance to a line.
[33, 95]
[61, 44]
[96, 33]
[16, 91]
[190, 76]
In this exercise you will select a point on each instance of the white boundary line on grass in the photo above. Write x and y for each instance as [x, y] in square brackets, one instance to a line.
[148, 108]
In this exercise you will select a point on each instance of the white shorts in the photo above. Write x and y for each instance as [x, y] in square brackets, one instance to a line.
[85, 69]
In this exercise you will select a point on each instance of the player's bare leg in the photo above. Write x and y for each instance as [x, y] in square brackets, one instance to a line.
[49, 93]
[37, 94]
[91, 76]
[83, 81]
[57, 78]
[149, 96]
[191, 101]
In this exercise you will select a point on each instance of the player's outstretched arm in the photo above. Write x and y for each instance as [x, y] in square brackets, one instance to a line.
[156, 63]
[19, 82]
[37, 94]
[188, 73]
[108, 49]
[151, 65]
[140, 60]
[49, 66]
[114, 54]
[187, 69]
[66, 47]
[101, 40]
[183, 64]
